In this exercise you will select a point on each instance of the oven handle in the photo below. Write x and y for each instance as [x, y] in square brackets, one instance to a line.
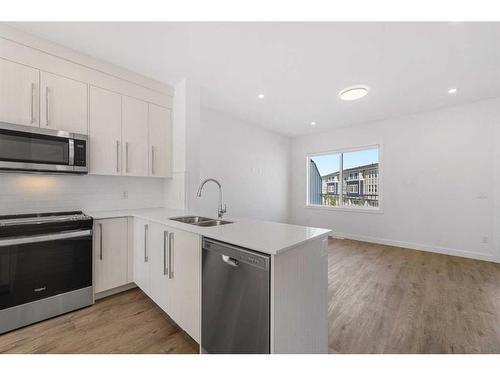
[45, 238]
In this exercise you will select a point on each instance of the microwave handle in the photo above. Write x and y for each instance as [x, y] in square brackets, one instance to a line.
[71, 145]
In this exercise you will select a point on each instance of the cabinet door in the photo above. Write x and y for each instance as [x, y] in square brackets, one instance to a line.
[184, 298]
[63, 103]
[160, 141]
[18, 94]
[159, 265]
[105, 131]
[135, 137]
[141, 255]
[110, 253]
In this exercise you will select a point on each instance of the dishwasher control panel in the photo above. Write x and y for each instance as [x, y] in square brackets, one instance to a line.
[252, 259]
[241, 255]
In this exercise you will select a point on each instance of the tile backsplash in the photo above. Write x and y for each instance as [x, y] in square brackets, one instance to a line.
[24, 193]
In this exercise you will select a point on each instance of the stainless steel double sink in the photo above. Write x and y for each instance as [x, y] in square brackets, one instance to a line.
[200, 221]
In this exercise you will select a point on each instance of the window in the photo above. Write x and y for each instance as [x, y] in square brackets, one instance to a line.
[345, 179]
[353, 188]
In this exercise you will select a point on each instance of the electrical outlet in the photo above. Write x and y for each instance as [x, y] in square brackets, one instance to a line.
[125, 194]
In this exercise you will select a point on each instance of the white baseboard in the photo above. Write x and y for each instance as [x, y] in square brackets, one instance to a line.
[116, 290]
[416, 246]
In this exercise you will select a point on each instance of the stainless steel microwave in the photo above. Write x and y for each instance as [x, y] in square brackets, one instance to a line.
[30, 149]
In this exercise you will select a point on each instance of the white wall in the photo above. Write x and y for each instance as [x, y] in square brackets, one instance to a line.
[180, 189]
[495, 146]
[439, 172]
[251, 163]
[27, 193]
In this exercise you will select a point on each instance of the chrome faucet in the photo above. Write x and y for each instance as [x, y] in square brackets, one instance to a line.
[221, 210]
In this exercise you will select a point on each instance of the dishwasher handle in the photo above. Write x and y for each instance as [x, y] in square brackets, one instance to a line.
[231, 261]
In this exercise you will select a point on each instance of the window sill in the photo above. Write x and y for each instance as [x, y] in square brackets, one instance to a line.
[345, 209]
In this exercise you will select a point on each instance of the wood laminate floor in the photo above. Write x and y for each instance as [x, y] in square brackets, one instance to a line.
[382, 300]
[128, 322]
[390, 300]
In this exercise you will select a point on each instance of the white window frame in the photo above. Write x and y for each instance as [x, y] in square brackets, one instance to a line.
[342, 207]
[354, 188]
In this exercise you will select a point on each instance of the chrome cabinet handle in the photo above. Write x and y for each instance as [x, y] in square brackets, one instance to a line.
[165, 268]
[171, 255]
[117, 156]
[126, 157]
[100, 241]
[32, 107]
[146, 228]
[152, 159]
[47, 96]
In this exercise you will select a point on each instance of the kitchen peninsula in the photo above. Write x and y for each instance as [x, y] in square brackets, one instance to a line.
[165, 258]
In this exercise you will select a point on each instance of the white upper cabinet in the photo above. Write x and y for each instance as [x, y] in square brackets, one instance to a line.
[105, 131]
[135, 137]
[110, 254]
[63, 103]
[128, 137]
[160, 141]
[128, 117]
[19, 94]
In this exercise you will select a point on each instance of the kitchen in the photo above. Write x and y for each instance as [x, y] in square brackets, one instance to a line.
[95, 254]
[184, 199]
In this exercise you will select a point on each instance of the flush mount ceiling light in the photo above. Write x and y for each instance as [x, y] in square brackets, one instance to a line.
[452, 91]
[260, 96]
[313, 123]
[354, 92]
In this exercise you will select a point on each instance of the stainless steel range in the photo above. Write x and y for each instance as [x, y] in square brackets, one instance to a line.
[45, 266]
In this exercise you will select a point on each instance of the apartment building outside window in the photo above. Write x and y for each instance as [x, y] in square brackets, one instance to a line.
[349, 178]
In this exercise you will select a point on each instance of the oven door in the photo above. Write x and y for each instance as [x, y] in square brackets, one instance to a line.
[35, 149]
[37, 267]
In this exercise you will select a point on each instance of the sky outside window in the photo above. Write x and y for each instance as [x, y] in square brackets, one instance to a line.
[330, 163]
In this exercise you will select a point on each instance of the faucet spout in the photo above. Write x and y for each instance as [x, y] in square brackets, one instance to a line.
[221, 210]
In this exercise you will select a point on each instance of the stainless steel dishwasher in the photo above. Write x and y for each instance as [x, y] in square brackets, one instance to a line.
[235, 299]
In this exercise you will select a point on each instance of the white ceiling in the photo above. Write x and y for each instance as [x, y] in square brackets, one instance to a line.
[300, 67]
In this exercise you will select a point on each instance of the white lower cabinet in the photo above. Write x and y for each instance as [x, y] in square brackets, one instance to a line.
[158, 266]
[110, 254]
[185, 283]
[141, 258]
[167, 267]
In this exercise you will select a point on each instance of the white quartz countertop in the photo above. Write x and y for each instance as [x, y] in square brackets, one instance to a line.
[264, 236]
